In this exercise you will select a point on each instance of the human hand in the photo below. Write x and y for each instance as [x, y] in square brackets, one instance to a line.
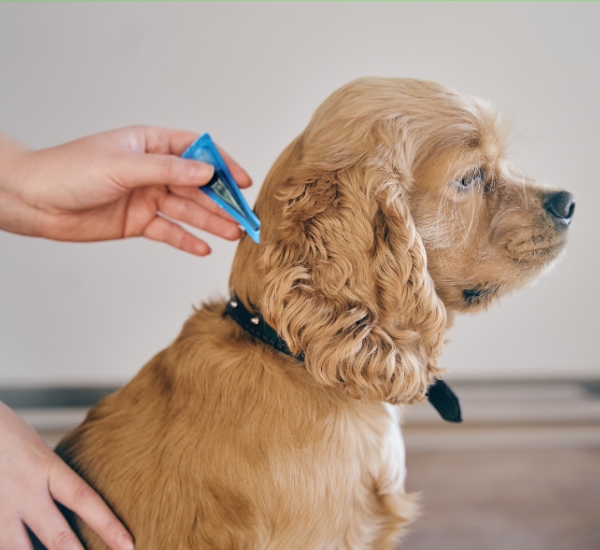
[111, 186]
[32, 477]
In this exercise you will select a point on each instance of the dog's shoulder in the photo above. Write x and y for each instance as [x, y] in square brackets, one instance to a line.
[238, 432]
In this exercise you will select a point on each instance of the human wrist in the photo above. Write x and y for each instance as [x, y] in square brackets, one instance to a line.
[16, 215]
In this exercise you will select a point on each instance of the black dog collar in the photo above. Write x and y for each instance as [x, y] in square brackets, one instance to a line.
[439, 394]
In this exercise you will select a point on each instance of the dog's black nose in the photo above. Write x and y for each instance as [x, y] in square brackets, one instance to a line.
[560, 206]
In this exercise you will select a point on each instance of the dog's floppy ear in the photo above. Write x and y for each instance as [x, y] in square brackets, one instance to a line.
[346, 283]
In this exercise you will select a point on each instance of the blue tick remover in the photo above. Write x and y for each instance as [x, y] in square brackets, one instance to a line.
[222, 187]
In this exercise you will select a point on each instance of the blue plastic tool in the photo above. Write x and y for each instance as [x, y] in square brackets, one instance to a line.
[222, 187]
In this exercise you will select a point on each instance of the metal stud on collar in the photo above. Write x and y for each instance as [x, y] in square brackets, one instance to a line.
[439, 394]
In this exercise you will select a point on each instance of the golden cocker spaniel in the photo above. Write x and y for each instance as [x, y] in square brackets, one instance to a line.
[392, 210]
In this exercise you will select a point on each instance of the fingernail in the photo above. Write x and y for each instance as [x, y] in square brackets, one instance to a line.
[200, 172]
[234, 233]
[124, 542]
[200, 248]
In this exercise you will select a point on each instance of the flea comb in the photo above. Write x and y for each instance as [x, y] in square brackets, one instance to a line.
[222, 188]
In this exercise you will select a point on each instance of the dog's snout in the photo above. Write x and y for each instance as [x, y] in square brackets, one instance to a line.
[560, 206]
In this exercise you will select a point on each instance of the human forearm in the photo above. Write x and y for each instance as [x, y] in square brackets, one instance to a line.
[16, 214]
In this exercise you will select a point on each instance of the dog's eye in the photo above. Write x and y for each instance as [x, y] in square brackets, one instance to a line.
[472, 178]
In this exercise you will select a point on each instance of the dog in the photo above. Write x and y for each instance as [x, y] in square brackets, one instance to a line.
[393, 210]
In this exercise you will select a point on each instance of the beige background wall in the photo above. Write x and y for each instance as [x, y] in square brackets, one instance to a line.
[252, 74]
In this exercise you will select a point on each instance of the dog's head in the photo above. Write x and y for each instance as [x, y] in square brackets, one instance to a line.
[394, 205]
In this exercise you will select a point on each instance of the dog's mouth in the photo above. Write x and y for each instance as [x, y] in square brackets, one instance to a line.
[535, 250]
[479, 295]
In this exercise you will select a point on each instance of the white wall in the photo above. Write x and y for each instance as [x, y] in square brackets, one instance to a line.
[252, 74]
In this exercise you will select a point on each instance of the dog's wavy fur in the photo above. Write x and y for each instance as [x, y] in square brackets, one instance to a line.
[392, 210]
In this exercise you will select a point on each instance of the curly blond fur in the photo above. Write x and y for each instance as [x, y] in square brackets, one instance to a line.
[394, 209]
[362, 310]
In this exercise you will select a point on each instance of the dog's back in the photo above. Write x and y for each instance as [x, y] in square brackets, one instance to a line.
[222, 442]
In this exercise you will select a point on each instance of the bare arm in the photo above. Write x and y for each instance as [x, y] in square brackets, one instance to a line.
[111, 186]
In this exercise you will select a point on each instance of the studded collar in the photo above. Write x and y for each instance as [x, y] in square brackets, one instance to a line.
[439, 394]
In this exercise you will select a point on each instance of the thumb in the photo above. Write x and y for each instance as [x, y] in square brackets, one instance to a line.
[139, 170]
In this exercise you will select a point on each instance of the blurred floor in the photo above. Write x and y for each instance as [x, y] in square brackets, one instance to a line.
[506, 500]
[521, 473]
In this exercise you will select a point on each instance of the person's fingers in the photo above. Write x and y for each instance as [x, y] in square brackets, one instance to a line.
[187, 211]
[165, 141]
[170, 233]
[14, 536]
[70, 490]
[202, 199]
[138, 170]
[239, 174]
[51, 528]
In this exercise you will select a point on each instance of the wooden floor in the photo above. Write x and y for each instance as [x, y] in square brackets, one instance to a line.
[506, 500]
[521, 473]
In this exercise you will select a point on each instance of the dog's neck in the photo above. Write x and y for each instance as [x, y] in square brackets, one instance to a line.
[439, 395]
[256, 325]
